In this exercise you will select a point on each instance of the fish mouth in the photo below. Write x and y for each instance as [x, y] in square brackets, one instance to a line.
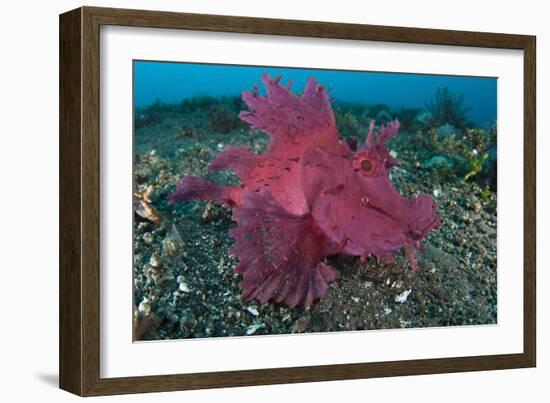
[419, 218]
[425, 217]
[419, 234]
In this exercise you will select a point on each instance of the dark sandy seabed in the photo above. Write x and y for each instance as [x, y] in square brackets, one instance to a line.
[184, 280]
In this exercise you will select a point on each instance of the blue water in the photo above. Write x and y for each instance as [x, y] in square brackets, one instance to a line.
[172, 82]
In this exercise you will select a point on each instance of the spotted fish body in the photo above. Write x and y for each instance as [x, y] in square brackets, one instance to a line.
[309, 196]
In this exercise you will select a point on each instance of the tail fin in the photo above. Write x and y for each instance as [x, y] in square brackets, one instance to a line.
[281, 255]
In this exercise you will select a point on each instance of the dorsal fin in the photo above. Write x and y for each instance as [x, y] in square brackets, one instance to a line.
[282, 114]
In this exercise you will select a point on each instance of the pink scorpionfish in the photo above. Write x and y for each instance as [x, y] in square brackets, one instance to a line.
[308, 197]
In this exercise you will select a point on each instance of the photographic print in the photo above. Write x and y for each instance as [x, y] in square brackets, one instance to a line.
[272, 200]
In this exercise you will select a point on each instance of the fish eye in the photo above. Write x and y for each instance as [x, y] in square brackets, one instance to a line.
[368, 166]
[365, 165]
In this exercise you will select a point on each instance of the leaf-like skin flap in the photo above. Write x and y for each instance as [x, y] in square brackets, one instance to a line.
[239, 159]
[193, 188]
[281, 255]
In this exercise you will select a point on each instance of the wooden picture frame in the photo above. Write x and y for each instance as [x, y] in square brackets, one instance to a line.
[79, 346]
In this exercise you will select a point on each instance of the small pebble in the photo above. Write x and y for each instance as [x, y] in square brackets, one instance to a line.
[148, 238]
[169, 247]
[154, 261]
[184, 288]
[252, 310]
[253, 328]
[144, 307]
[401, 298]
[477, 206]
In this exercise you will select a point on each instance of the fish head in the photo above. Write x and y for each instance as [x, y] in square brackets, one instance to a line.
[353, 200]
